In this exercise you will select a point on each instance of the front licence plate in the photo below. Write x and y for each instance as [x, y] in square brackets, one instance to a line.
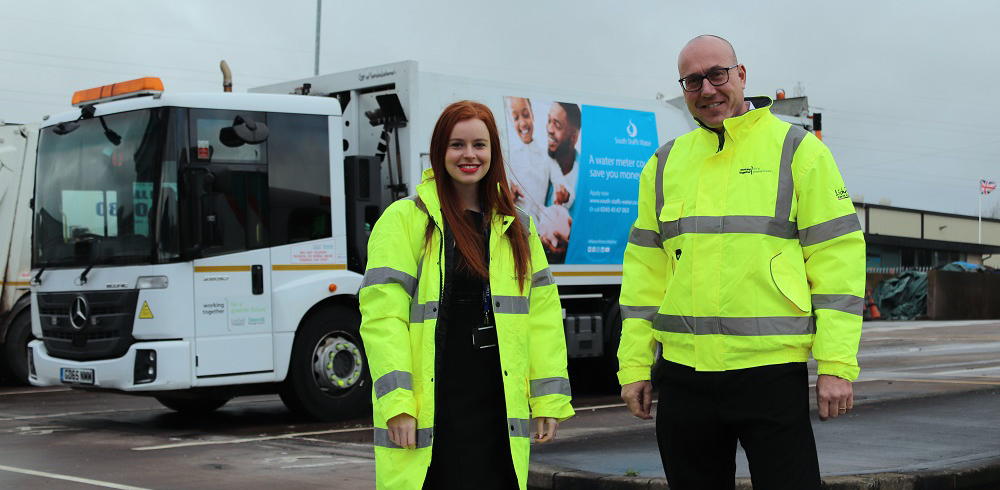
[77, 376]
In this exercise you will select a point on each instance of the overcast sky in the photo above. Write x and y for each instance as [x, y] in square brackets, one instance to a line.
[908, 89]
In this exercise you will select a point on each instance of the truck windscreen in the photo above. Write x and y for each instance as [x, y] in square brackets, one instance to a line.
[94, 190]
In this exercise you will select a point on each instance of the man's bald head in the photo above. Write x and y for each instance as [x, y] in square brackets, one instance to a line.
[711, 38]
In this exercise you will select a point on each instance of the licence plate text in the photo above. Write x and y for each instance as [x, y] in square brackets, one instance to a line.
[78, 376]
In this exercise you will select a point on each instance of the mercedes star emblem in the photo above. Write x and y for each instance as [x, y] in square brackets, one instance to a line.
[79, 312]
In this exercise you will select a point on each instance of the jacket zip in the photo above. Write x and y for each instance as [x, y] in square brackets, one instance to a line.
[721, 134]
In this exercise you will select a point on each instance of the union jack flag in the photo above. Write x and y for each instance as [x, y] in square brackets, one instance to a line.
[986, 186]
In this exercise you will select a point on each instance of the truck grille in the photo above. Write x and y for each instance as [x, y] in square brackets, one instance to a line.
[106, 333]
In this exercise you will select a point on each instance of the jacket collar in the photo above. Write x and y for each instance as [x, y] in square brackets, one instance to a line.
[427, 191]
[739, 125]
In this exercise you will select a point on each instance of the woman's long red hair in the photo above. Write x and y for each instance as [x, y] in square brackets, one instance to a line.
[494, 193]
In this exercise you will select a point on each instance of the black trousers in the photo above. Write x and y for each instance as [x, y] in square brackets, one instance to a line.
[702, 415]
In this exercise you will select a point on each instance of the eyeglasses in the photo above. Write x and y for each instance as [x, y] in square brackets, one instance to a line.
[717, 77]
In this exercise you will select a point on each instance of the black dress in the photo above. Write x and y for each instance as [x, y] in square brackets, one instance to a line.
[471, 448]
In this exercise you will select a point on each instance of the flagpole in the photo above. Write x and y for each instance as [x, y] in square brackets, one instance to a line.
[980, 216]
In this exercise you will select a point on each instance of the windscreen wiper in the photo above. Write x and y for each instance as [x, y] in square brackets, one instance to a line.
[83, 277]
[38, 277]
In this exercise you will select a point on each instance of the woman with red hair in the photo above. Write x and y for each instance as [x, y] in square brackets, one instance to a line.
[461, 322]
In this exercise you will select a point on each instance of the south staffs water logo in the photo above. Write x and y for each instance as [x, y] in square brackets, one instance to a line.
[632, 131]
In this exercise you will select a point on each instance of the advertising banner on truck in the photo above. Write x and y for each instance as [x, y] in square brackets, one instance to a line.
[575, 169]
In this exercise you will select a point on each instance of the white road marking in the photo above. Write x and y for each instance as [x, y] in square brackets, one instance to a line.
[601, 407]
[67, 414]
[33, 392]
[249, 439]
[56, 476]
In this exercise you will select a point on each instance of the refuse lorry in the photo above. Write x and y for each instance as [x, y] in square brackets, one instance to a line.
[198, 247]
[17, 166]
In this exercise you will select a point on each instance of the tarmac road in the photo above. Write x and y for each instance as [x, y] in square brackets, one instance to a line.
[926, 404]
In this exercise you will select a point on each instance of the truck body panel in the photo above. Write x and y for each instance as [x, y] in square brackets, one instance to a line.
[17, 166]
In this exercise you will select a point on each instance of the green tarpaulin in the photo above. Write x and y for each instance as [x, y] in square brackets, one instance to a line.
[903, 297]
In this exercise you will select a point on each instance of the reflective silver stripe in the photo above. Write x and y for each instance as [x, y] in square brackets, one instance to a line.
[525, 222]
[542, 278]
[750, 326]
[388, 275]
[420, 312]
[762, 225]
[645, 238]
[786, 183]
[519, 427]
[641, 312]
[661, 162]
[847, 303]
[391, 381]
[829, 230]
[424, 437]
[510, 304]
[549, 386]
[419, 202]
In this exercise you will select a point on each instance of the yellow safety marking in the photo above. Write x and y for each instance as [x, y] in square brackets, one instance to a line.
[145, 314]
[16, 284]
[222, 268]
[586, 273]
[310, 267]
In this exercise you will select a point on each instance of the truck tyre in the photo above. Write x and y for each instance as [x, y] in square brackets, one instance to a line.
[328, 376]
[192, 405]
[15, 349]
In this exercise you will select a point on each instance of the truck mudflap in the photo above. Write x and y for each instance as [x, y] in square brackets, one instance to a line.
[146, 366]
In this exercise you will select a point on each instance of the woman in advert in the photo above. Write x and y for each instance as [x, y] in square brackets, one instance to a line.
[461, 322]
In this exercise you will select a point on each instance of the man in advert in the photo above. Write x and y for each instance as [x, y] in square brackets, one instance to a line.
[563, 131]
[746, 258]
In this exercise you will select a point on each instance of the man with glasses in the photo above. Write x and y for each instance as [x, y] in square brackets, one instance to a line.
[746, 257]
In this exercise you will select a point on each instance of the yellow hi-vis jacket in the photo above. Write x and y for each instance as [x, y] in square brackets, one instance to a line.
[401, 294]
[747, 251]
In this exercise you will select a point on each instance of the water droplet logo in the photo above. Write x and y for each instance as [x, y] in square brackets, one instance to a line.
[632, 130]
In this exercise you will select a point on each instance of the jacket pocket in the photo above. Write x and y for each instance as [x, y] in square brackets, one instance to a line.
[788, 271]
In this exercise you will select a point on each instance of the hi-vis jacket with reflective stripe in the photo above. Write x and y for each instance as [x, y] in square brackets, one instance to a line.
[746, 252]
[401, 294]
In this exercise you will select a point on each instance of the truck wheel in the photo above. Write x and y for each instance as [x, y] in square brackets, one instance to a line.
[192, 405]
[15, 349]
[328, 375]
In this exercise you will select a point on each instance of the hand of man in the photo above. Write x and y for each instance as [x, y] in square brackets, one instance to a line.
[639, 398]
[546, 429]
[403, 431]
[834, 396]
[557, 225]
[561, 195]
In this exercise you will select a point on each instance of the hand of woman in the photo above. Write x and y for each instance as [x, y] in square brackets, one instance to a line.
[403, 431]
[546, 429]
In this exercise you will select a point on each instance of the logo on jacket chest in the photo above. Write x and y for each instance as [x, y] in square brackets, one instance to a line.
[752, 170]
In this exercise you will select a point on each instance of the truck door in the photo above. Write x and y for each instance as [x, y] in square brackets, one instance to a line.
[232, 288]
